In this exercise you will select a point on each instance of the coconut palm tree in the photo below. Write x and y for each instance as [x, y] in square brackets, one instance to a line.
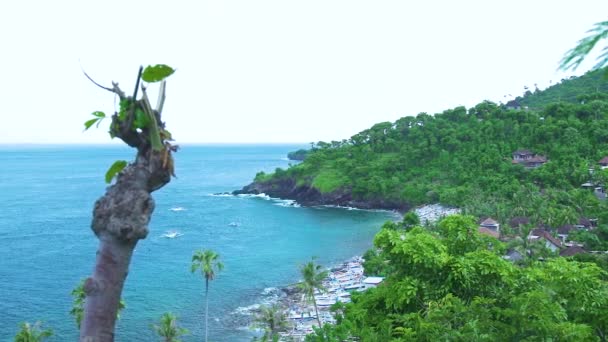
[208, 262]
[313, 276]
[273, 320]
[168, 328]
[32, 333]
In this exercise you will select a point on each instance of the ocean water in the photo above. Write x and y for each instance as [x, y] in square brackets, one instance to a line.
[46, 245]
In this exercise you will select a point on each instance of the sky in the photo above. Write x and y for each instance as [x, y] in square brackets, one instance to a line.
[275, 71]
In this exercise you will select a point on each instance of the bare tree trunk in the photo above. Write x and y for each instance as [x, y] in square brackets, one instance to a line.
[206, 308]
[314, 302]
[120, 220]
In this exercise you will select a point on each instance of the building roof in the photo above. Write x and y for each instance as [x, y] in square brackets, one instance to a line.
[519, 221]
[489, 232]
[572, 250]
[537, 159]
[513, 255]
[585, 222]
[523, 152]
[565, 229]
[538, 232]
[543, 234]
[489, 222]
[604, 160]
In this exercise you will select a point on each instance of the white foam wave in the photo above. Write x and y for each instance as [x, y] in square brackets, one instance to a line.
[262, 196]
[222, 195]
[342, 207]
[178, 209]
[286, 203]
[270, 291]
[247, 310]
[269, 296]
[353, 208]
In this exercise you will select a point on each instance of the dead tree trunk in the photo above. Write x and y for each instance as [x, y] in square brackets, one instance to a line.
[121, 216]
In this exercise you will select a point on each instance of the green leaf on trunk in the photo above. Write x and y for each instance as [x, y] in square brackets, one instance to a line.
[115, 169]
[99, 114]
[156, 73]
[141, 119]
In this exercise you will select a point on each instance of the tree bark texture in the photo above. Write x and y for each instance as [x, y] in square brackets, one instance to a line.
[120, 220]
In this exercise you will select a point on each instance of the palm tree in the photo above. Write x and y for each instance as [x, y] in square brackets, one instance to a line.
[313, 280]
[208, 262]
[32, 333]
[273, 320]
[168, 328]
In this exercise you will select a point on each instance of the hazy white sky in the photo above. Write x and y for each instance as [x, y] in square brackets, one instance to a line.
[275, 71]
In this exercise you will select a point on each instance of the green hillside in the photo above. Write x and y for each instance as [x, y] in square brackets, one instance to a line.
[463, 157]
[592, 85]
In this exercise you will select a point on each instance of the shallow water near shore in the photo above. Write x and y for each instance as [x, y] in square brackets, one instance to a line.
[47, 194]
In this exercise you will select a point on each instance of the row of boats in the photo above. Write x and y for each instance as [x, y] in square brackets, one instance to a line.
[339, 285]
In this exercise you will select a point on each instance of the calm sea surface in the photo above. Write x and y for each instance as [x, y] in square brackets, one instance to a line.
[46, 245]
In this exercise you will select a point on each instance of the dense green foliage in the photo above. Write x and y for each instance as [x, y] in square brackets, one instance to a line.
[573, 90]
[298, 155]
[453, 285]
[463, 157]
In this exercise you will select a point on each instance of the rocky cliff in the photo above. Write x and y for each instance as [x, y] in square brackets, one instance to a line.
[286, 188]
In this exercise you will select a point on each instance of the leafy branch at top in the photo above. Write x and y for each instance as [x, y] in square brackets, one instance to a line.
[575, 56]
[137, 123]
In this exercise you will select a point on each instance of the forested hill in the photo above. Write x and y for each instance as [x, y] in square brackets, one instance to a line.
[464, 157]
[572, 90]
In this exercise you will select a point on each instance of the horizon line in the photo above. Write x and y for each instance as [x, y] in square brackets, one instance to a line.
[177, 143]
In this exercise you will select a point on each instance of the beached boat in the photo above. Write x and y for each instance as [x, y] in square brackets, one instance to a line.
[301, 315]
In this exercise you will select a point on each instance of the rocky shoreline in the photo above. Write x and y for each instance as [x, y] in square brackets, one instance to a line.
[300, 313]
[287, 188]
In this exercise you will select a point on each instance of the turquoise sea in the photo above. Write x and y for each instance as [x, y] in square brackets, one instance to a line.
[46, 245]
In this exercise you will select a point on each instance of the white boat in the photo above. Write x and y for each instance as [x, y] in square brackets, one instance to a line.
[172, 234]
[355, 286]
[326, 302]
[295, 315]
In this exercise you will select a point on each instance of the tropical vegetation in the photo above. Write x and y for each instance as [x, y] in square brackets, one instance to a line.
[32, 333]
[168, 329]
[272, 320]
[312, 281]
[452, 284]
[464, 158]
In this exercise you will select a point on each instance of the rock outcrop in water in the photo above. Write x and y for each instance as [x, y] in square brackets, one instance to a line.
[287, 188]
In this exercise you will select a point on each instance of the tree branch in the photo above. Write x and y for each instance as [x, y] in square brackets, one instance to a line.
[115, 89]
[141, 69]
[161, 98]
